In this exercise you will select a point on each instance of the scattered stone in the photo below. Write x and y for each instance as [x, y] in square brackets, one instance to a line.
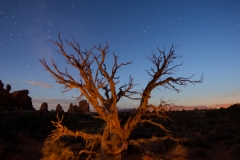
[44, 107]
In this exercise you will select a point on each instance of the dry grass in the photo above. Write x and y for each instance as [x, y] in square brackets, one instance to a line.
[177, 153]
[57, 150]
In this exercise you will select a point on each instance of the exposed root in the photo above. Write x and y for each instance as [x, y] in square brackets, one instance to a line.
[89, 153]
[91, 139]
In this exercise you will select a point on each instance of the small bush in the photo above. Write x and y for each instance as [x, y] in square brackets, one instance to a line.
[235, 152]
[201, 142]
[178, 152]
[56, 150]
[201, 153]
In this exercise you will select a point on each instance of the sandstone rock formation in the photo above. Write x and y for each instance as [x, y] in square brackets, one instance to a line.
[44, 107]
[73, 108]
[59, 109]
[18, 99]
[1, 85]
[82, 108]
[22, 99]
[5, 98]
[8, 88]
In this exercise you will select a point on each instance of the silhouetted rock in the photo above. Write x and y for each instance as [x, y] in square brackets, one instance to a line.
[5, 98]
[73, 108]
[18, 99]
[1, 85]
[59, 109]
[22, 99]
[44, 107]
[8, 88]
[84, 106]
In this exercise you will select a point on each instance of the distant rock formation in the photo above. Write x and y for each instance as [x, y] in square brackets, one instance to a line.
[8, 88]
[22, 99]
[44, 107]
[73, 108]
[82, 108]
[18, 99]
[5, 98]
[59, 109]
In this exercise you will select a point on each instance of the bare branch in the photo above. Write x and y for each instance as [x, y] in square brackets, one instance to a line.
[162, 68]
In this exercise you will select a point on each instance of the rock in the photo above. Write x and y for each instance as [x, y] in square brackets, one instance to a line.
[44, 107]
[1, 86]
[5, 98]
[8, 87]
[22, 99]
[18, 99]
[73, 108]
[84, 106]
[59, 109]
[70, 109]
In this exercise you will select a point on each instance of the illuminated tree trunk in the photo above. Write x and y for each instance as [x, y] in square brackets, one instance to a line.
[114, 141]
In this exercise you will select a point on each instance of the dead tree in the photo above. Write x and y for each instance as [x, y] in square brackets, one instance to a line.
[115, 137]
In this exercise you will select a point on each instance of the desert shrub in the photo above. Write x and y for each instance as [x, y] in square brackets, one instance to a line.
[230, 142]
[56, 150]
[205, 131]
[210, 113]
[234, 108]
[234, 152]
[201, 142]
[11, 136]
[201, 153]
[237, 138]
[233, 130]
[214, 137]
[178, 153]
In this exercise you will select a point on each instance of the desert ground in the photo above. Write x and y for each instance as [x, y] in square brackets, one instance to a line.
[211, 134]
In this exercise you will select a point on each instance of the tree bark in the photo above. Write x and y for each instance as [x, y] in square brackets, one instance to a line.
[114, 140]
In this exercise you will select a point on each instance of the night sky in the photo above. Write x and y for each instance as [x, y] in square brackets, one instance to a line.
[207, 33]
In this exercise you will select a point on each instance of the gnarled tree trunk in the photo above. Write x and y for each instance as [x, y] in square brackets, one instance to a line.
[114, 140]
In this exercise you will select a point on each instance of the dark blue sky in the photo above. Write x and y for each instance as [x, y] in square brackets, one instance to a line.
[206, 31]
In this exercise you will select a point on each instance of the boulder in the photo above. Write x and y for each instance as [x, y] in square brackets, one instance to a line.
[22, 99]
[59, 109]
[44, 107]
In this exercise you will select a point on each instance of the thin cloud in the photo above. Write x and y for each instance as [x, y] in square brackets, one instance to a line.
[231, 94]
[235, 93]
[44, 85]
[223, 96]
